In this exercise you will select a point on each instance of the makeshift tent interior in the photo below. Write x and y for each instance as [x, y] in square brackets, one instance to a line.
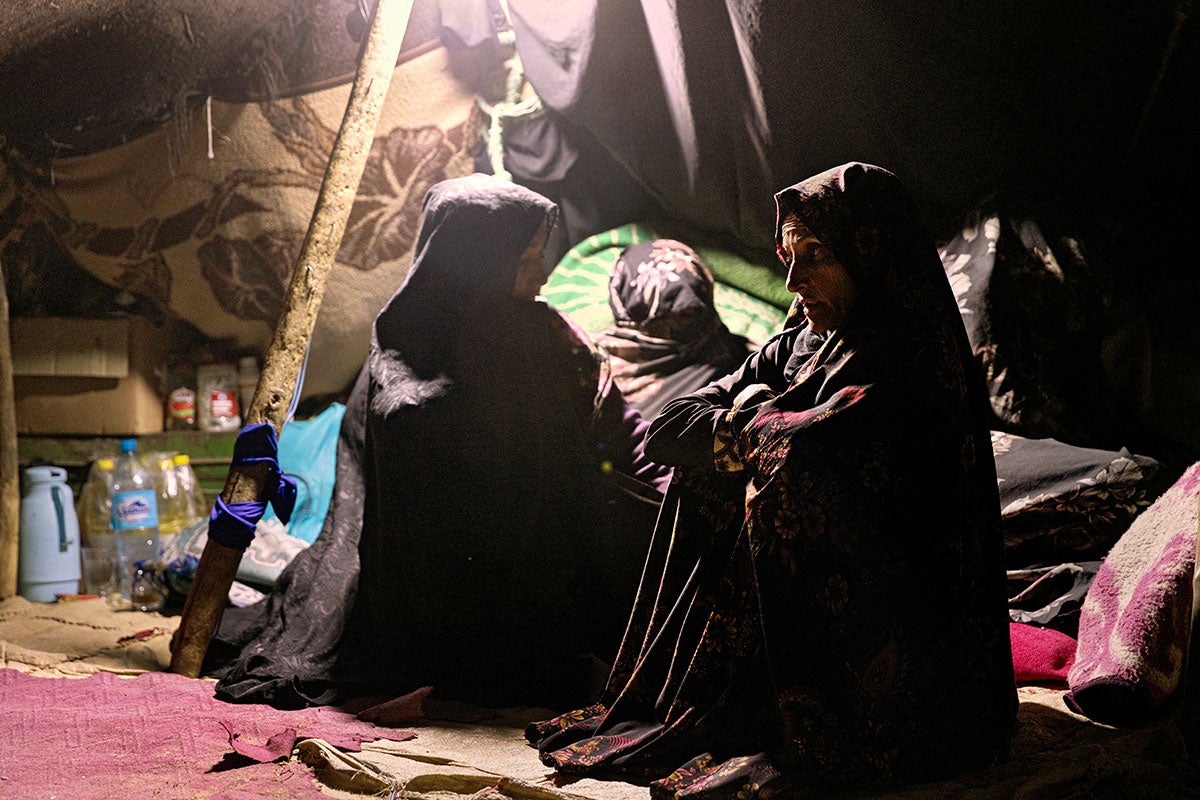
[161, 159]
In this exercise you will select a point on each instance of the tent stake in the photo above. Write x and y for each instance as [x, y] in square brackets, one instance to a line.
[218, 564]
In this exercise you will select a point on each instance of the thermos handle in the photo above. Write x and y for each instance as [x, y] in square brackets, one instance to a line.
[56, 495]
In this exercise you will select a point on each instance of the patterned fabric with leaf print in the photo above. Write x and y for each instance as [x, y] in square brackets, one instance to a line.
[210, 233]
[781, 642]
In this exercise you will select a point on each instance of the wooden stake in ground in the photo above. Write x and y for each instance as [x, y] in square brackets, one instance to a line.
[10, 480]
[218, 564]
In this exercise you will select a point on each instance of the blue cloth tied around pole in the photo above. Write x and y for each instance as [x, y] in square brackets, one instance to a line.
[232, 524]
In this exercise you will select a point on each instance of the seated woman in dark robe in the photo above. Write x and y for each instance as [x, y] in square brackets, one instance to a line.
[824, 600]
[475, 487]
[667, 339]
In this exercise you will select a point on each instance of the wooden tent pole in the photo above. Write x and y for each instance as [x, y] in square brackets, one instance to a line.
[218, 564]
[10, 484]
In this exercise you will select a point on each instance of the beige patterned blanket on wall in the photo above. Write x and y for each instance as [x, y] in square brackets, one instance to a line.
[210, 229]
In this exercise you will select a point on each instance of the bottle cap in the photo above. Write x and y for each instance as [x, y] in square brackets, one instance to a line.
[182, 459]
[128, 445]
[104, 463]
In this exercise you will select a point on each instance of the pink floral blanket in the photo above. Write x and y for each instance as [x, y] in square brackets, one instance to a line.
[1137, 618]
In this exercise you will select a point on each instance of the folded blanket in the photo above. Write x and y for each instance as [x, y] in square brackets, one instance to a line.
[1137, 617]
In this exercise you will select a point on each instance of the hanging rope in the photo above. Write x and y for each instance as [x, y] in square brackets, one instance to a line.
[512, 107]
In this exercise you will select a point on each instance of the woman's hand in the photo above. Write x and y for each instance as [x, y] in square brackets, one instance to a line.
[747, 404]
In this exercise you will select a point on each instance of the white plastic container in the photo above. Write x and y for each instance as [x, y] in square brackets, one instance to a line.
[48, 564]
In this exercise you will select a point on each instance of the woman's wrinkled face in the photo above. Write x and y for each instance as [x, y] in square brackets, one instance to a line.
[531, 275]
[825, 289]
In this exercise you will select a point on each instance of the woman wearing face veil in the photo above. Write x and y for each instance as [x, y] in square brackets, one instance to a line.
[667, 338]
[823, 603]
[495, 559]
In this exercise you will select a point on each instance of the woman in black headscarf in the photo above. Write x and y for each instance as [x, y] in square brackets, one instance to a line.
[496, 554]
[666, 339]
[824, 599]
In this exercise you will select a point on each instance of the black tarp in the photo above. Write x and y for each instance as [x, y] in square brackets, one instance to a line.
[711, 106]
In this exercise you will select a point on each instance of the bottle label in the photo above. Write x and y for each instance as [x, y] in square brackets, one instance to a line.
[182, 404]
[222, 403]
[135, 510]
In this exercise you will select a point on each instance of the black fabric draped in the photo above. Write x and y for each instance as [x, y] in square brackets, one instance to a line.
[281, 650]
[496, 557]
[692, 111]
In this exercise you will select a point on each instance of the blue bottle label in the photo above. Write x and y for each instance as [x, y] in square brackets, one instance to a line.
[135, 510]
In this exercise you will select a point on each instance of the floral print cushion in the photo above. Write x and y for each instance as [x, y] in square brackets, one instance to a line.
[1061, 503]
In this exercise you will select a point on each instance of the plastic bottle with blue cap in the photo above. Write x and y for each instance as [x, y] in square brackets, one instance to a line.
[135, 526]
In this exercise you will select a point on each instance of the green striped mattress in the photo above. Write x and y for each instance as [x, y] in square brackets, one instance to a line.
[750, 298]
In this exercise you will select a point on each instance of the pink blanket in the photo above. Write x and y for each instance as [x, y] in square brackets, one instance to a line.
[1040, 655]
[157, 735]
[1136, 620]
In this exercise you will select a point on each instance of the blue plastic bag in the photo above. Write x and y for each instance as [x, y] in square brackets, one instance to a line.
[308, 453]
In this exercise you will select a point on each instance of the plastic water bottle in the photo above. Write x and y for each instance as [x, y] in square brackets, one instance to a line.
[189, 484]
[172, 507]
[172, 502]
[135, 525]
[94, 509]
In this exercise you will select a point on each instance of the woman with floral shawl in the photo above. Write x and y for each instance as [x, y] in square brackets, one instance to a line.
[497, 556]
[823, 603]
[666, 339]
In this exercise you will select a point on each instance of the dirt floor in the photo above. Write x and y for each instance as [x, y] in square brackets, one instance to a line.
[1056, 754]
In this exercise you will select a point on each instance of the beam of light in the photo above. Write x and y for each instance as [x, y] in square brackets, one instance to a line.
[759, 128]
[665, 35]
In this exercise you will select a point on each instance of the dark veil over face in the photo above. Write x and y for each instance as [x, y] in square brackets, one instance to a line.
[473, 231]
[664, 290]
[472, 234]
[667, 338]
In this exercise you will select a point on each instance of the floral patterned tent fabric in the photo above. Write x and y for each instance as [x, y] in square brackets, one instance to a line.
[209, 230]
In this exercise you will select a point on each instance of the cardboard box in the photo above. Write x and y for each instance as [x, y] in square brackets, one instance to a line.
[88, 376]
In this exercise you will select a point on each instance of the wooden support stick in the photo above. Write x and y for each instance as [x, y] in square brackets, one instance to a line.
[218, 564]
[10, 480]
